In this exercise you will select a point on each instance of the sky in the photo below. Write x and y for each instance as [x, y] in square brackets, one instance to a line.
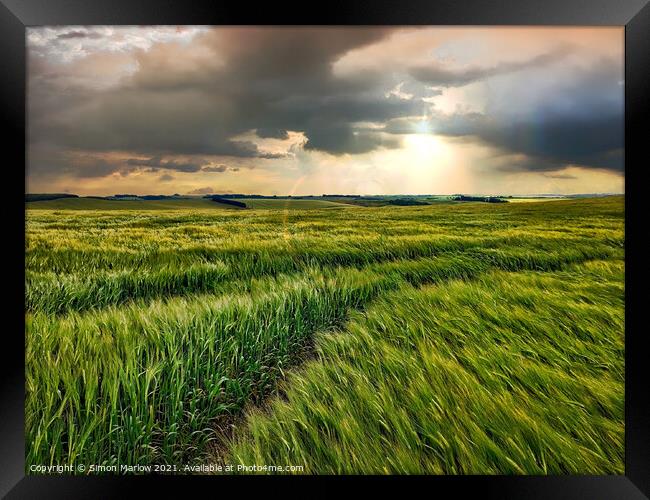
[325, 110]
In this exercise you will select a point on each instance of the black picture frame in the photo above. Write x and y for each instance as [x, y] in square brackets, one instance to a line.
[16, 15]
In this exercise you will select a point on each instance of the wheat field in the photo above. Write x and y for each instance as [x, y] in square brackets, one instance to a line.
[451, 338]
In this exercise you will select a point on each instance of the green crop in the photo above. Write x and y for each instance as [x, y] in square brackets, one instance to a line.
[149, 332]
[514, 373]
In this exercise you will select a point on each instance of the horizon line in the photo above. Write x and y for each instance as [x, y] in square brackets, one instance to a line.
[326, 195]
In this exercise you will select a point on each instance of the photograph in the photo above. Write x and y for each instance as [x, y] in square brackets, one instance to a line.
[325, 250]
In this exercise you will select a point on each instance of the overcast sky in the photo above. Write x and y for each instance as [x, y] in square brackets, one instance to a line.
[439, 110]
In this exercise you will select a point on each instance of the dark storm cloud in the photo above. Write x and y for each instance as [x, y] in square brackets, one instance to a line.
[329, 122]
[339, 139]
[548, 143]
[580, 123]
[266, 80]
[95, 167]
[157, 163]
[594, 141]
[47, 163]
[197, 99]
[87, 166]
[440, 76]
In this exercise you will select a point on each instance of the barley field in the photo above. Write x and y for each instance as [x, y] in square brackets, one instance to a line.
[451, 338]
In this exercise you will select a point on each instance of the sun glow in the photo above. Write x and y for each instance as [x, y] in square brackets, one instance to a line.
[432, 166]
[424, 146]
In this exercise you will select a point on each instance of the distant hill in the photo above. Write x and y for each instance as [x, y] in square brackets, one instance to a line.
[96, 203]
[67, 201]
[406, 202]
[155, 197]
[47, 196]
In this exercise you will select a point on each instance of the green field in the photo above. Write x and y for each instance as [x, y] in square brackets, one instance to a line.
[284, 203]
[103, 204]
[533, 200]
[448, 338]
[182, 203]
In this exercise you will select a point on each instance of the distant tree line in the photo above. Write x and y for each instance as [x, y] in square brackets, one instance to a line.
[406, 202]
[226, 201]
[239, 195]
[48, 196]
[487, 199]
[272, 196]
[152, 197]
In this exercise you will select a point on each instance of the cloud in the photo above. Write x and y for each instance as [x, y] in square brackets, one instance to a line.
[78, 34]
[413, 89]
[166, 178]
[195, 100]
[214, 168]
[272, 133]
[545, 124]
[203, 190]
[438, 75]
[181, 101]
[219, 168]
[48, 163]
[340, 139]
[94, 167]
[559, 176]
[71, 43]
[157, 163]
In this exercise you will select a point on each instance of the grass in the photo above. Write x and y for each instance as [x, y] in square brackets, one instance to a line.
[183, 203]
[285, 203]
[533, 200]
[148, 331]
[514, 373]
